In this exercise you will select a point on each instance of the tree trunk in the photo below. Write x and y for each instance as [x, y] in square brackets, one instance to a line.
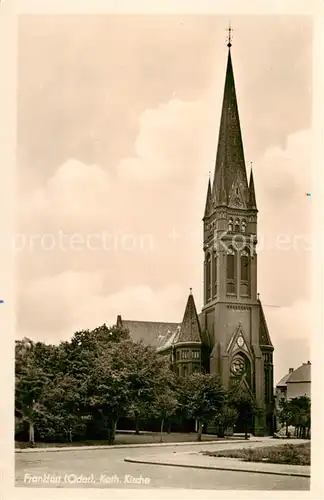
[31, 433]
[137, 425]
[169, 428]
[112, 431]
[161, 430]
[245, 430]
[200, 428]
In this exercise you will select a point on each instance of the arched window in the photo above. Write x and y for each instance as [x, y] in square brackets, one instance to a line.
[243, 226]
[245, 272]
[230, 270]
[230, 225]
[237, 226]
[214, 268]
[208, 277]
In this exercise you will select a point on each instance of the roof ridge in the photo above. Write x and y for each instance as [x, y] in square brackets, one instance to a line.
[157, 322]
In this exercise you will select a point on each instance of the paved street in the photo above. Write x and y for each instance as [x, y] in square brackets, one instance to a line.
[107, 469]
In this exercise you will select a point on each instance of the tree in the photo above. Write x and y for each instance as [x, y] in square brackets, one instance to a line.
[125, 379]
[52, 381]
[301, 415]
[164, 406]
[245, 405]
[66, 402]
[225, 419]
[201, 398]
[33, 377]
[285, 413]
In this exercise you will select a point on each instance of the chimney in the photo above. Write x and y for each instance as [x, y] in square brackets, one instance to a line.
[291, 370]
[308, 362]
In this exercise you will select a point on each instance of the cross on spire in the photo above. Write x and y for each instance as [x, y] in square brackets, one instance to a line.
[229, 38]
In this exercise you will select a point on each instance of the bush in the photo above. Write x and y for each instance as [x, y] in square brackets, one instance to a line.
[282, 454]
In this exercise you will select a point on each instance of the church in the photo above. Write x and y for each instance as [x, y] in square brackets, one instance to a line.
[230, 336]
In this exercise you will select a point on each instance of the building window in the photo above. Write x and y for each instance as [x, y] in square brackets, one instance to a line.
[208, 277]
[230, 271]
[245, 272]
[266, 386]
[243, 226]
[237, 226]
[214, 269]
[184, 370]
[230, 225]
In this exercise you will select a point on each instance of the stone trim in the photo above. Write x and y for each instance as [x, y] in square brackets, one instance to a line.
[240, 308]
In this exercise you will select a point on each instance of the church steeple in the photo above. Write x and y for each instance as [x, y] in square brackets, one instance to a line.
[208, 200]
[230, 174]
[252, 200]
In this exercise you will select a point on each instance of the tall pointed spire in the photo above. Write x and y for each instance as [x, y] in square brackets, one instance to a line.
[190, 328]
[230, 164]
[208, 200]
[252, 200]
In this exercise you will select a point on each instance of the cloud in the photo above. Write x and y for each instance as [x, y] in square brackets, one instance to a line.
[74, 301]
[158, 191]
[292, 331]
[282, 177]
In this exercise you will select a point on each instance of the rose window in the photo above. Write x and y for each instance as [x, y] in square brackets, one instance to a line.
[237, 366]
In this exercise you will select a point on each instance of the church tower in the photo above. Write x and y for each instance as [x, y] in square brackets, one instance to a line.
[232, 318]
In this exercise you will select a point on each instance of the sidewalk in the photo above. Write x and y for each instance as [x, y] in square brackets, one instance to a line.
[198, 461]
[120, 446]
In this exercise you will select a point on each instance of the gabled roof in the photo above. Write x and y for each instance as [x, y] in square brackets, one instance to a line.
[153, 333]
[283, 381]
[301, 374]
[164, 335]
[243, 388]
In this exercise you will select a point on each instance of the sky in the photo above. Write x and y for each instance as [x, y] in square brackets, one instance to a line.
[118, 119]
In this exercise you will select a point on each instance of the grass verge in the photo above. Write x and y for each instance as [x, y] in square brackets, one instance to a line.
[293, 454]
[130, 438]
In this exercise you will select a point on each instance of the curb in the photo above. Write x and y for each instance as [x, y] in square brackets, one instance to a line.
[121, 446]
[215, 467]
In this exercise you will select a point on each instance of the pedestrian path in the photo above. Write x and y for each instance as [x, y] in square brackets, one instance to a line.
[197, 460]
[119, 446]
